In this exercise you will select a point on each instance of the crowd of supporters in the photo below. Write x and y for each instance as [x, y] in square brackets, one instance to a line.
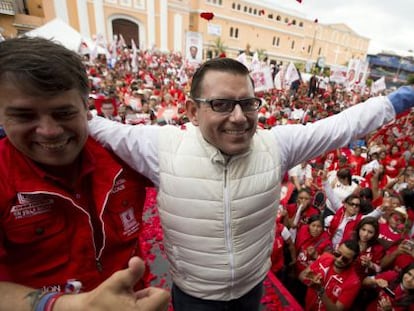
[359, 197]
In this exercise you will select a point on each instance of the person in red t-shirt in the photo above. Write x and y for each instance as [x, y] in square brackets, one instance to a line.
[356, 161]
[395, 290]
[332, 281]
[371, 251]
[311, 242]
[298, 213]
[282, 239]
[394, 230]
[394, 162]
[398, 256]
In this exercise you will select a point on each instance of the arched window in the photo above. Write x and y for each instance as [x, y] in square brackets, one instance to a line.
[278, 18]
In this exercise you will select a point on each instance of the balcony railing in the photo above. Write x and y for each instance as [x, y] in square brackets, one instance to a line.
[7, 7]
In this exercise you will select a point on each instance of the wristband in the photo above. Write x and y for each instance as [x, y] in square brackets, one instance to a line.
[47, 301]
[51, 302]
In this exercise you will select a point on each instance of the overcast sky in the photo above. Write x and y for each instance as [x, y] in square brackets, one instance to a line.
[389, 24]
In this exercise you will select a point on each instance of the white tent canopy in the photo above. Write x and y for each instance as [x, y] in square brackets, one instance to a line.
[57, 30]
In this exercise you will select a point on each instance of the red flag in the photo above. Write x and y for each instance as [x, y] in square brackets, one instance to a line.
[207, 15]
[300, 1]
[316, 20]
[262, 12]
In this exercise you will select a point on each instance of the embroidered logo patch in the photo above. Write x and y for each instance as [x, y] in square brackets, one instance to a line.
[31, 205]
[129, 222]
[337, 291]
[119, 185]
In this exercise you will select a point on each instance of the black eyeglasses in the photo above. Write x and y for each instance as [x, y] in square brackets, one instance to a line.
[344, 259]
[356, 205]
[227, 105]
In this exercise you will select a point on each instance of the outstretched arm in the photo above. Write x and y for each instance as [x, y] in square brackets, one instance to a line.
[116, 293]
[300, 143]
[136, 145]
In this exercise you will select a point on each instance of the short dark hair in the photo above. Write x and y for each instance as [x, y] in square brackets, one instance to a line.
[316, 217]
[41, 67]
[217, 64]
[345, 173]
[352, 196]
[367, 193]
[353, 246]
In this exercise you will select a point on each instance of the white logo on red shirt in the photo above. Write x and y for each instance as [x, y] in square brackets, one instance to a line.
[129, 222]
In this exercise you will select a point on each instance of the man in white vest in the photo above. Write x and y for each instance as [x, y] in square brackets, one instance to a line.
[219, 180]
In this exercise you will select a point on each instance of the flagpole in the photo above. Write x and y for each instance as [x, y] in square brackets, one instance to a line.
[313, 43]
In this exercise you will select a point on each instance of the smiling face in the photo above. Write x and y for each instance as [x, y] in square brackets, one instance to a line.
[352, 206]
[229, 132]
[50, 130]
[408, 280]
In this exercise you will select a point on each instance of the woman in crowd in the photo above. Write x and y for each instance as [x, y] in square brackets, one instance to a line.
[394, 162]
[343, 185]
[371, 251]
[395, 290]
[347, 215]
[398, 256]
[298, 213]
[395, 227]
[311, 241]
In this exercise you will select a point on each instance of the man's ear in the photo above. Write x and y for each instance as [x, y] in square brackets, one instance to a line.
[192, 111]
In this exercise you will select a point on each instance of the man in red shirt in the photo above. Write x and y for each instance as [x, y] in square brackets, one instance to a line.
[332, 281]
[70, 211]
[356, 161]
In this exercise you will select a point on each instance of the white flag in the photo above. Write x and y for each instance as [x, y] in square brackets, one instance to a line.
[242, 59]
[378, 86]
[291, 74]
[134, 60]
[255, 64]
[262, 79]
[279, 80]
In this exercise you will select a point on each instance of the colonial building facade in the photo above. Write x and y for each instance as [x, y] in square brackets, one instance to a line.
[236, 26]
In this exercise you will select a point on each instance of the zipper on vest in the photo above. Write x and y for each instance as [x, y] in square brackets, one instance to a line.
[227, 227]
[99, 265]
